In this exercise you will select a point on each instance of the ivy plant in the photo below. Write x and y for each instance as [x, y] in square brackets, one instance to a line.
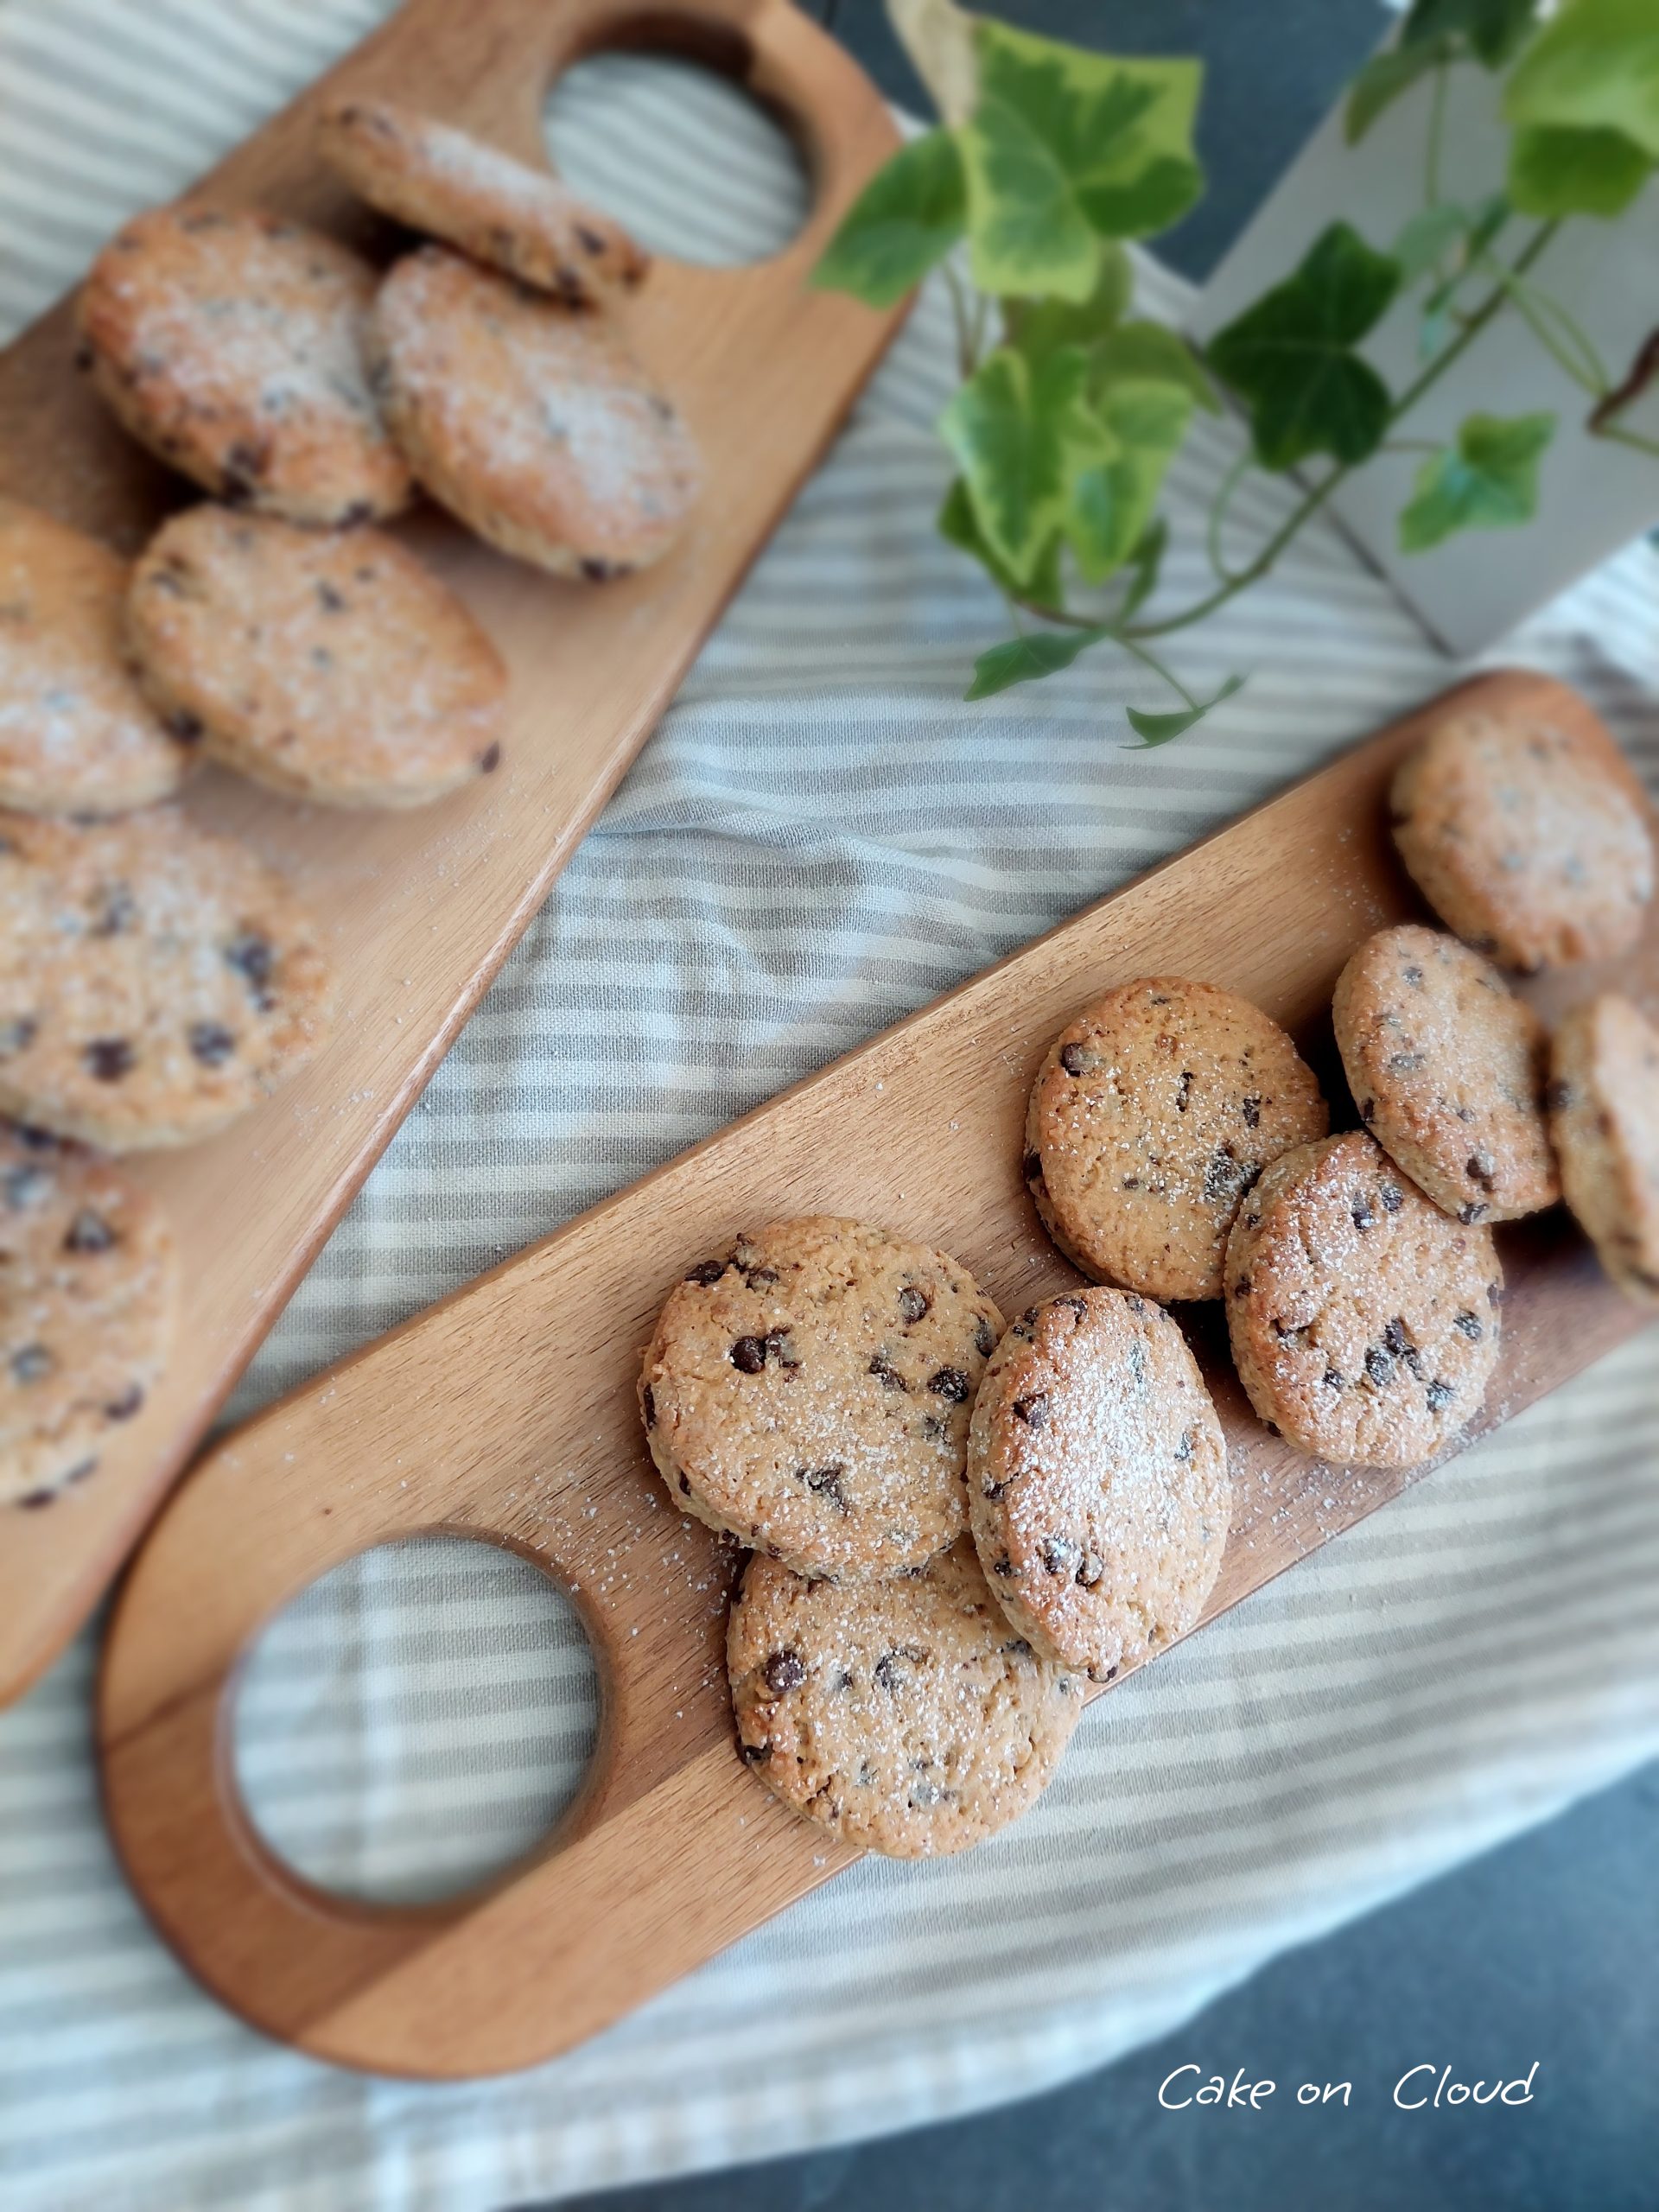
[1049, 160]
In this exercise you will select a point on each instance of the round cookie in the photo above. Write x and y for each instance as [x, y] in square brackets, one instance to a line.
[1153, 1112]
[1447, 1067]
[519, 220]
[86, 1287]
[536, 426]
[327, 664]
[1525, 840]
[1097, 1485]
[155, 981]
[1364, 1320]
[907, 1717]
[229, 342]
[1604, 1104]
[76, 734]
[809, 1392]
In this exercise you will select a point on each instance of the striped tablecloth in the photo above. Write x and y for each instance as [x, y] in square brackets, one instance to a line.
[820, 838]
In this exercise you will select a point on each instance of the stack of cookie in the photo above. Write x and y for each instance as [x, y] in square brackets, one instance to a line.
[154, 980]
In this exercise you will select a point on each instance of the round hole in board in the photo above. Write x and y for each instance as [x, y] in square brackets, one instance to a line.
[693, 166]
[416, 1720]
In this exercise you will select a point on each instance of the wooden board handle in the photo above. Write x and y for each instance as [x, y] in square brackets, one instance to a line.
[508, 1413]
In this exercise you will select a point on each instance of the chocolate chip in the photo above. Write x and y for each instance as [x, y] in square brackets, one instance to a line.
[589, 241]
[994, 1491]
[756, 1754]
[1439, 1396]
[1404, 1063]
[1472, 1213]
[1494, 1294]
[888, 1672]
[1090, 1567]
[489, 760]
[36, 1498]
[211, 1042]
[934, 1429]
[330, 600]
[1184, 1092]
[1184, 1449]
[1558, 1096]
[1367, 1110]
[786, 1671]
[648, 1405]
[601, 572]
[31, 1363]
[1363, 1218]
[1034, 1410]
[984, 1337]
[1057, 1554]
[89, 1232]
[1470, 1326]
[1480, 1171]
[707, 1272]
[886, 1374]
[825, 1482]
[253, 956]
[1032, 1167]
[843, 1680]
[17, 1036]
[1333, 1379]
[26, 1186]
[1393, 1198]
[1379, 1366]
[1074, 1058]
[1395, 1337]
[185, 726]
[116, 911]
[1222, 1177]
[756, 1276]
[1072, 1304]
[108, 1058]
[748, 1355]
[1242, 1287]
[912, 1302]
[781, 1345]
[1251, 1109]
[1413, 976]
[951, 1383]
[1003, 1565]
[124, 1407]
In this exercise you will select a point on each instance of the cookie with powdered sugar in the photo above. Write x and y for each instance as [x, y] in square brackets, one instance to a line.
[1604, 1113]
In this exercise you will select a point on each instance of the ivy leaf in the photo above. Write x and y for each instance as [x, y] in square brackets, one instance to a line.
[1487, 480]
[906, 219]
[1491, 30]
[1383, 78]
[1065, 148]
[1291, 356]
[1040, 328]
[1561, 172]
[1021, 436]
[1594, 66]
[1158, 729]
[1111, 500]
[1151, 350]
[959, 526]
[938, 36]
[1024, 660]
[1427, 237]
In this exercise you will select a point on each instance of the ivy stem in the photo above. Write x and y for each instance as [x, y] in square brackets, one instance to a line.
[1151, 660]
[1540, 310]
[1218, 515]
[1628, 437]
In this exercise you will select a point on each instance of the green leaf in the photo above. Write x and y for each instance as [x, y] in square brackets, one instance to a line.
[906, 219]
[1560, 172]
[1427, 239]
[1158, 729]
[1143, 350]
[1487, 480]
[1144, 561]
[1290, 356]
[1065, 148]
[1593, 67]
[958, 525]
[1024, 660]
[1111, 500]
[1040, 328]
[1491, 30]
[1021, 436]
[1383, 78]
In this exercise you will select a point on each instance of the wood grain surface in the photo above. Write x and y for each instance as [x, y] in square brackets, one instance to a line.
[507, 1412]
[420, 909]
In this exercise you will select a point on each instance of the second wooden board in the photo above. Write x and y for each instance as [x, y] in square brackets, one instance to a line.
[508, 1413]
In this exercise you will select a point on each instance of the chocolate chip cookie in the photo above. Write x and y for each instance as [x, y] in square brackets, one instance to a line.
[1153, 1114]
[229, 342]
[1447, 1068]
[519, 219]
[86, 1287]
[1098, 1484]
[1604, 1113]
[908, 1717]
[534, 424]
[76, 733]
[1525, 840]
[327, 664]
[155, 981]
[808, 1388]
[1364, 1320]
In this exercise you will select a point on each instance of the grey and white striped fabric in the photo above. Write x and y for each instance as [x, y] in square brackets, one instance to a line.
[820, 838]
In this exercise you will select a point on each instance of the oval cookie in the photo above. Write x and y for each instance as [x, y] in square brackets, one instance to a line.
[1364, 1320]
[86, 1288]
[1152, 1114]
[534, 425]
[327, 664]
[907, 1716]
[1447, 1068]
[1604, 1114]
[76, 734]
[441, 181]
[229, 342]
[155, 981]
[809, 1391]
[1097, 1480]
[1525, 840]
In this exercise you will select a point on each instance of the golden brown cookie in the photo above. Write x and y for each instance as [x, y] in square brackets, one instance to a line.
[907, 1716]
[76, 734]
[459, 188]
[533, 423]
[86, 1290]
[1097, 1480]
[1153, 1112]
[327, 664]
[155, 981]
[229, 342]
[1447, 1068]
[809, 1390]
[1605, 1115]
[1525, 841]
[1364, 1320]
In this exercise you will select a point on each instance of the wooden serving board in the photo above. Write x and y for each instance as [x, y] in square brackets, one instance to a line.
[508, 1413]
[420, 909]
